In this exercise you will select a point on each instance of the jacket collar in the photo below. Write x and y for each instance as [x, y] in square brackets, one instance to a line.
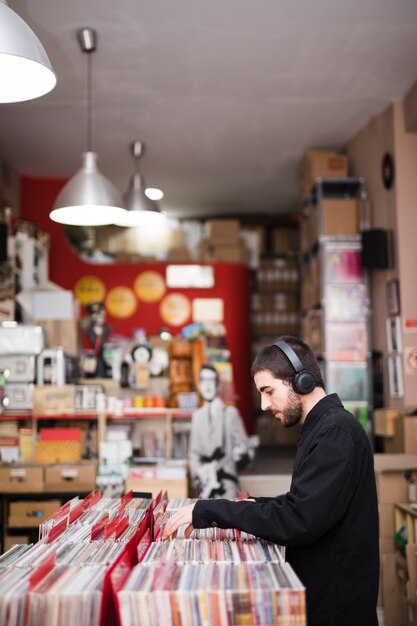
[328, 402]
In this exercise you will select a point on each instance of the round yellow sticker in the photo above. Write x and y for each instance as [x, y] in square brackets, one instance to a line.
[121, 302]
[175, 309]
[149, 286]
[89, 289]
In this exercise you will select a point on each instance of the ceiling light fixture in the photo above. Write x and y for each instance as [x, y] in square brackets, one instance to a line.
[140, 208]
[25, 69]
[88, 198]
[153, 193]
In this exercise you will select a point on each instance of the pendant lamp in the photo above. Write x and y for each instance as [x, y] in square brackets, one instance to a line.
[141, 210]
[88, 198]
[25, 70]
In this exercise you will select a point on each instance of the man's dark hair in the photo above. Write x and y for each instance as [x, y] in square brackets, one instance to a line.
[210, 368]
[274, 360]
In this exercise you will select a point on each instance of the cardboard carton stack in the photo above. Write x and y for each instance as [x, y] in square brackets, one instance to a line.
[222, 242]
[392, 489]
[321, 164]
[398, 429]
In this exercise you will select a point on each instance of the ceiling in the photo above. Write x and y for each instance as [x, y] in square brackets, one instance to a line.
[226, 94]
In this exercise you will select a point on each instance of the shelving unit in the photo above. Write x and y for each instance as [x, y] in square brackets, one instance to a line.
[157, 419]
[335, 291]
[275, 311]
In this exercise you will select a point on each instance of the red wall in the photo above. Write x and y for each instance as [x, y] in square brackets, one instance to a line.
[66, 267]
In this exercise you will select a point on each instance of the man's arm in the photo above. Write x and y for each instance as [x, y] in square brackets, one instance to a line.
[320, 493]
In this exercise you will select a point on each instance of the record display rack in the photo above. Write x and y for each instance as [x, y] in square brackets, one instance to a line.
[102, 562]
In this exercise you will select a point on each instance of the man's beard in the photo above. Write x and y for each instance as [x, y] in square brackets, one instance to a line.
[293, 412]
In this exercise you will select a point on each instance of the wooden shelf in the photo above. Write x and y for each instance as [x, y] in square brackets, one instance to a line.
[127, 414]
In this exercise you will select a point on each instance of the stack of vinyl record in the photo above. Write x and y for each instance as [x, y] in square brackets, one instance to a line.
[99, 562]
[59, 580]
[217, 594]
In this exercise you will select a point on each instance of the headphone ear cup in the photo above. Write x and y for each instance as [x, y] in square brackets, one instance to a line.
[304, 382]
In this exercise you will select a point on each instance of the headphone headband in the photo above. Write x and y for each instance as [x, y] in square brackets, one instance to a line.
[291, 355]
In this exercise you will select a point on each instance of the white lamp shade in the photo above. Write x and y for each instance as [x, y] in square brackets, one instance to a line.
[88, 198]
[140, 209]
[25, 70]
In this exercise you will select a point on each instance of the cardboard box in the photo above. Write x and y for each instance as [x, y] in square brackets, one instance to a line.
[391, 589]
[405, 436]
[29, 514]
[285, 240]
[53, 399]
[21, 479]
[411, 560]
[74, 478]
[229, 252]
[386, 521]
[222, 231]
[179, 254]
[340, 216]
[395, 462]
[389, 473]
[321, 164]
[153, 479]
[387, 545]
[391, 487]
[384, 421]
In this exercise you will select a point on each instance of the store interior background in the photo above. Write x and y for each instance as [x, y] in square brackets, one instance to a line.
[227, 97]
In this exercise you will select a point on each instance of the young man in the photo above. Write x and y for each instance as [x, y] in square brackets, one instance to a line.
[328, 521]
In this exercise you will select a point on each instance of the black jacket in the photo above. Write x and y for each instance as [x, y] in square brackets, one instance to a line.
[328, 520]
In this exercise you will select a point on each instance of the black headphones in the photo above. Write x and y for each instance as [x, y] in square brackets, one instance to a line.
[303, 381]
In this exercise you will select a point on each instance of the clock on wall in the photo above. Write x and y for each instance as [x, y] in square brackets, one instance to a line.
[387, 170]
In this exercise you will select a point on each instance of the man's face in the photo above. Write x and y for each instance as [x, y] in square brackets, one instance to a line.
[208, 385]
[279, 397]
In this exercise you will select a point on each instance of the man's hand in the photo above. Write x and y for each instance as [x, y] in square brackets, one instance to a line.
[183, 516]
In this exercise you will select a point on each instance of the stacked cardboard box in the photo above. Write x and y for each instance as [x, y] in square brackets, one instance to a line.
[398, 429]
[333, 217]
[222, 242]
[392, 488]
[321, 164]
[285, 240]
[154, 478]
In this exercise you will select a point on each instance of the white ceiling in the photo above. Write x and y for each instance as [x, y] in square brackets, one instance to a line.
[226, 94]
